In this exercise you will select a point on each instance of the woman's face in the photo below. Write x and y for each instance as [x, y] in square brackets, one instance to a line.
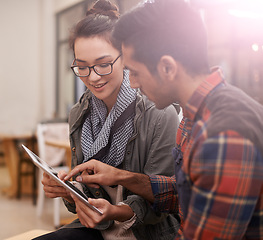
[97, 51]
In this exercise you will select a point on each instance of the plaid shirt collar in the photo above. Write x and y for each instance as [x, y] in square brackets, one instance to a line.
[194, 103]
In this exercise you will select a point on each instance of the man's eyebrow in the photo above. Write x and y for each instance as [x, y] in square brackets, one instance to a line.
[130, 69]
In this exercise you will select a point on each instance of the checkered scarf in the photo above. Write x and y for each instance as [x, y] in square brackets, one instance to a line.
[97, 126]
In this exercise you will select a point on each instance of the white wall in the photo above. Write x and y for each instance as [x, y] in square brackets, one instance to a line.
[19, 65]
[62, 4]
[27, 62]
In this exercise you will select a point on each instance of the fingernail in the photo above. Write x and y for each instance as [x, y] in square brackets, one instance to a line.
[79, 178]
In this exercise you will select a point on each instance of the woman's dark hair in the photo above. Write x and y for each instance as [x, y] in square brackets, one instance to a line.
[99, 21]
[165, 27]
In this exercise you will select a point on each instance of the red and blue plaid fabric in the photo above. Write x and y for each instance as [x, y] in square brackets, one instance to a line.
[164, 188]
[226, 174]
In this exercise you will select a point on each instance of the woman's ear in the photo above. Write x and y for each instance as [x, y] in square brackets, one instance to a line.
[167, 67]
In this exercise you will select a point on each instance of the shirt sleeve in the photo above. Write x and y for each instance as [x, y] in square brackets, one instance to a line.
[127, 224]
[226, 175]
[165, 194]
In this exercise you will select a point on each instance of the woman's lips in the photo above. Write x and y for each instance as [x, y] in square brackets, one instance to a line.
[98, 86]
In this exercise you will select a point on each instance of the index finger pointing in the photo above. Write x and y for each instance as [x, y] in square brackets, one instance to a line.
[73, 172]
[78, 169]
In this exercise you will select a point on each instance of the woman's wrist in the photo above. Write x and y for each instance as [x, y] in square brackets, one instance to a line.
[122, 213]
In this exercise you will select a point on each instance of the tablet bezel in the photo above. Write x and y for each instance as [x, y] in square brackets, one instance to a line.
[53, 174]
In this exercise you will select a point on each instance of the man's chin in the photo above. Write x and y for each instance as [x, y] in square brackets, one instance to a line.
[159, 106]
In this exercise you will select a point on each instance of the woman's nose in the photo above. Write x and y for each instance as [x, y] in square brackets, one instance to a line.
[93, 76]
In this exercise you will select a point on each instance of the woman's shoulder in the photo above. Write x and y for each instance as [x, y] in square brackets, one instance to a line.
[83, 100]
[78, 107]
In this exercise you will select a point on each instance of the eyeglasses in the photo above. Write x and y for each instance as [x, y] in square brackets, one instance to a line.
[100, 69]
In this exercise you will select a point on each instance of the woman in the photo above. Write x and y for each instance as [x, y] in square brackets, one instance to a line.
[115, 124]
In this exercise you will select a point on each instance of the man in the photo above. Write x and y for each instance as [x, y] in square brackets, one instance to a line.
[220, 184]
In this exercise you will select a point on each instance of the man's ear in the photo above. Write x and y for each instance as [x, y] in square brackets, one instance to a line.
[167, 67]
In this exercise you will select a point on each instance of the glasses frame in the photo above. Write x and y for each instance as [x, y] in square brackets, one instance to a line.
[93, 67]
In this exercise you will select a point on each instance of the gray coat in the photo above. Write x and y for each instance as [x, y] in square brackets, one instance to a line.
[148, 151]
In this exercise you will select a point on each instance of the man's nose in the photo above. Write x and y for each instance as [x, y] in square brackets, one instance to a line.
[134, 83]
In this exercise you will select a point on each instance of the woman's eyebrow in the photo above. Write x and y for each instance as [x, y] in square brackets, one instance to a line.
[102, 57]
[96, 60]
[79, 60]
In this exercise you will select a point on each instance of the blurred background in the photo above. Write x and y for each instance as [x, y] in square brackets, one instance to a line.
[37, 84]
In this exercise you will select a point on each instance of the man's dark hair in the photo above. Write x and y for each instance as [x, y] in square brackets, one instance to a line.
[165, 27]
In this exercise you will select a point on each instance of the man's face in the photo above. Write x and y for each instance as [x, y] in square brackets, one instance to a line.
[150, 85]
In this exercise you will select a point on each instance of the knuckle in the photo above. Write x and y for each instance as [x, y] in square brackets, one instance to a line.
[93, 225]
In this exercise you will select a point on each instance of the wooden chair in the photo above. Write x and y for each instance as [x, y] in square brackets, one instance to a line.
[18, 165]
[26, 169]
[2, 162]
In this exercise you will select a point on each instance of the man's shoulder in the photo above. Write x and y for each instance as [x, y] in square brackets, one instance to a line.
[232, 109]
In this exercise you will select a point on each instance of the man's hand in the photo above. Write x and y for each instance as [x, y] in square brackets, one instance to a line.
[95, 173]
[53, 189]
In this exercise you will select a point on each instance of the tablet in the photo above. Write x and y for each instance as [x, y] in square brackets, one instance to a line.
[54, 174]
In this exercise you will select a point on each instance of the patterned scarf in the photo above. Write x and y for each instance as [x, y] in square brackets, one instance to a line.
[96, 131]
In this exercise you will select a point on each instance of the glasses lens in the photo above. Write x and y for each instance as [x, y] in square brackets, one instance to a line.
[81, 71]
[103, 69]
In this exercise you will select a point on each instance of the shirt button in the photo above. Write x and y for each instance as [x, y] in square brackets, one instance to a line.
[73, 149]
[97, 193]
[128, 152]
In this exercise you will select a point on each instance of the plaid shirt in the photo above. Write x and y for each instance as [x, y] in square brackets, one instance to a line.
[225, 171]
[164, 188]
